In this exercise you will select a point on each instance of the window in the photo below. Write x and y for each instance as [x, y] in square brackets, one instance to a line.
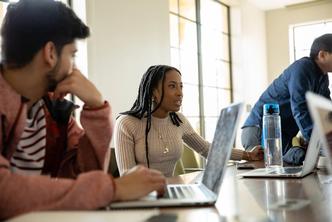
[3, 9]
[81, 60]
[302, 36]
[200, 49]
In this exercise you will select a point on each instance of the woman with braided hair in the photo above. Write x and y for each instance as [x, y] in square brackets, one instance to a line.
[152, 132]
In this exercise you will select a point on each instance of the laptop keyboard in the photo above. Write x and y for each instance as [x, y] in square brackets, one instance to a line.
[287, 170]
[293, 170]
[180, 192]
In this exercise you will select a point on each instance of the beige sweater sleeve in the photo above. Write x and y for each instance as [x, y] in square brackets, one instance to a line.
[237, 154]
[199, 144]
[192, 139]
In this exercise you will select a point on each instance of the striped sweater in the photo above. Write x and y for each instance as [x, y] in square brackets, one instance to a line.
[29, 155]
[87, 150]
[165, 142]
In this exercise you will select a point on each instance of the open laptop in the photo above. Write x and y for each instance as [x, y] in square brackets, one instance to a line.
[321, 113]
[206, 192]
[308, 166]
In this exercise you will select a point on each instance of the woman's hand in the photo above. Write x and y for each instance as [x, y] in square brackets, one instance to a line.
[257, 153]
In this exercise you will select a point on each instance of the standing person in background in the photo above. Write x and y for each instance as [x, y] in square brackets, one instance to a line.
[152, 132]
[39, 139]
[288, 90]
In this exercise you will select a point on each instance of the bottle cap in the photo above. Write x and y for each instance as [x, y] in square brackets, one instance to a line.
[271, 108]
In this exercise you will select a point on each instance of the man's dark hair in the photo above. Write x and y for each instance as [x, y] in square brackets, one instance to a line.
[322, 43]
[143, 104]
[29, 24]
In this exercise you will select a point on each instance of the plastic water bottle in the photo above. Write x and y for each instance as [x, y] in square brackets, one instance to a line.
[272, 136]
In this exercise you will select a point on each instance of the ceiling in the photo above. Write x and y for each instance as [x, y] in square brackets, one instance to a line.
[274, 4]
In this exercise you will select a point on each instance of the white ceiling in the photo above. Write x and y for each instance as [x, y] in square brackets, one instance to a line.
[274, 4]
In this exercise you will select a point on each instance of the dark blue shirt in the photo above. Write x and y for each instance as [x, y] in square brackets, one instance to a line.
[288, 90]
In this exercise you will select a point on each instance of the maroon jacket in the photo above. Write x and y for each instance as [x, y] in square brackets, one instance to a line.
[70, 153]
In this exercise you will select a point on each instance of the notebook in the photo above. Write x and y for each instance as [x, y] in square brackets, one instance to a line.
[321, 113]
[206, 192]
[308, 166]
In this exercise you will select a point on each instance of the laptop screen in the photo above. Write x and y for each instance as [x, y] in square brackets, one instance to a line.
[325, 117]
[221, 147]
[321, 112]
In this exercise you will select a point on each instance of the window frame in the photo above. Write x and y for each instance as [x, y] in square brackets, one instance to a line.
[201, 86]
[292, 40]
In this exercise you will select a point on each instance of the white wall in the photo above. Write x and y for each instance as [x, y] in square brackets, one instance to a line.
[277, 31]
[248, 54]
[127, 37]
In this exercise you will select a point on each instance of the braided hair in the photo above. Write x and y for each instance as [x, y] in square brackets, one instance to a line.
[143, 104]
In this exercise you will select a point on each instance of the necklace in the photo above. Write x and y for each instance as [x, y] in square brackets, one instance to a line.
[160, 137]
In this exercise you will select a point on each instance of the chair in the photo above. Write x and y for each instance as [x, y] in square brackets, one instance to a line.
[189, 162]
[113, 167]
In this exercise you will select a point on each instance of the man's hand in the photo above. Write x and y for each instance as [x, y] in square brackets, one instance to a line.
[138, 182]
[77, 84]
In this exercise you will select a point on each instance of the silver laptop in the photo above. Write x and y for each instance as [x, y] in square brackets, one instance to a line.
[206, 192]
[308, 166]
[321, 113]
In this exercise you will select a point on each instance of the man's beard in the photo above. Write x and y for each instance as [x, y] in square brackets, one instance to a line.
[52, 82]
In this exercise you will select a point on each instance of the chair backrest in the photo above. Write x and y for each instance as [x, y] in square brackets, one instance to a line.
[189, 161]
[189, 158]
[113, 167]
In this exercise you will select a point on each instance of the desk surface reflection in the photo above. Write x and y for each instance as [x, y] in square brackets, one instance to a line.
[306, 199]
